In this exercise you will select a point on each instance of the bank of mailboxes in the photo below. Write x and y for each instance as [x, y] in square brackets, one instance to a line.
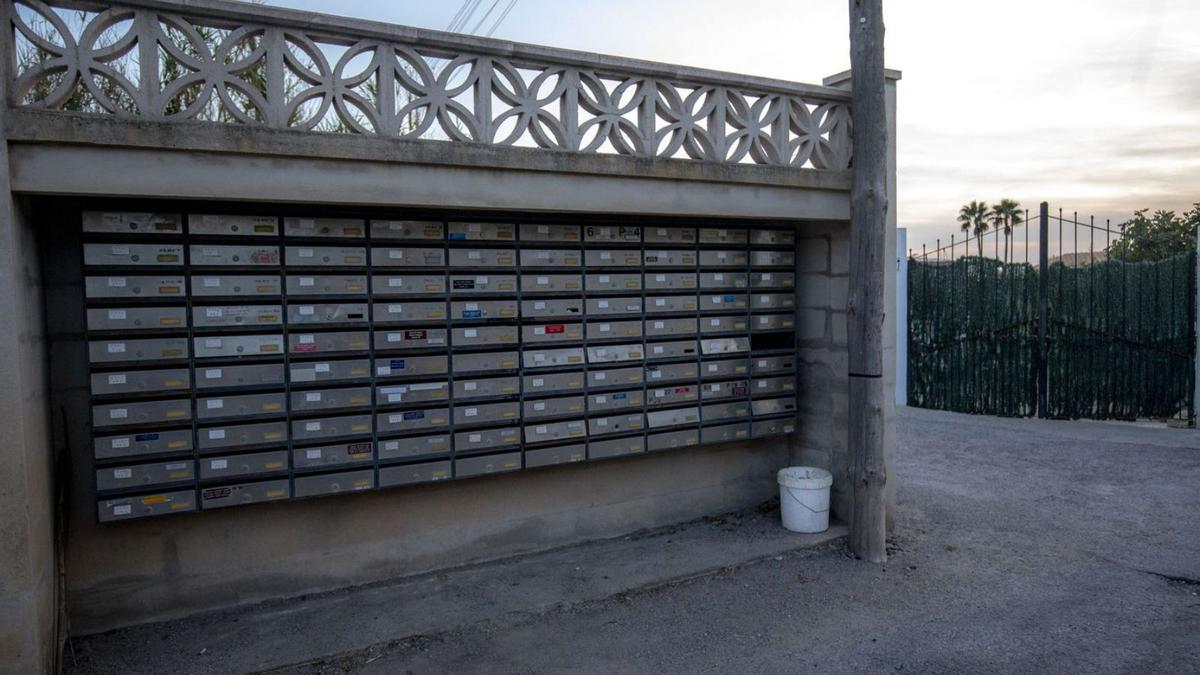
[327, 355]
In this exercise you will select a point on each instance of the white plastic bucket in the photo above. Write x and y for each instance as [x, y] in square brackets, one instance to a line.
[804, 498]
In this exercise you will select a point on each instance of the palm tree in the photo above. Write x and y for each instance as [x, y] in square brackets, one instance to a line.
[974, 219]
[1007, 214]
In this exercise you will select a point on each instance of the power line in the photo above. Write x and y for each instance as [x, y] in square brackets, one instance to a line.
[503, 16]
[485, 16]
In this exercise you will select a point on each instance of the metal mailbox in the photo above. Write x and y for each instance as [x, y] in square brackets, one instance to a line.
[714, 412]
[772, 280]
[149, 349]
[482, 257]
[492, 387]
[554, 233]
[411, 474]
[550, 257]
[774, 427]
[726, 280]
[478, 440]
[675, 281]
[243, 405]
[723, 258]
[339, 454]
[773, 322]
[554, 455]
[553, 382]
[412, 420]
[485, 362]
[227, 316]
[729, 345]
[133, 255]
[774, 385]
[222, 496]
[677, 349]
[403, 256]
[141, 381]
[552, 309]
[612, 282]
[670, 235]
[774, 364]
[772, 237]
[333, 312]
[222, 377]
[328, 343]
[663, 304]
[481, 232]
[616, 447]
[774, 300]
[325, 256]
[773, 259]
[238, 226]
[483, 309]
[408, 284]
[722, 235]
[334, 483]
[237, 345]
[624, 233]
[152, 475]
[553, 407]
[239, 466]
[615, 353]
[724, 368]
[223, 255]
[616, 424]
[670, 372]
[725, 433]
[412, 446]
[555, 431]
[612, 258]
[408, 312]
[331, 371]
[121, 286]
[672, 395]
[664, 327]
[140, 443]
[235, 286]
[409, 366]
[484, 336]
[345, 228]
[551, 358]
[614, 330]
[241, 435]
[660, 419]
[552, 332]
[551, 283]
[723, 302]
[330, 427]
[322, 400]
[486, 413]
[723, 324]
[614, 306]
[126, 508]
[614, 401]
[774, 406]
[102, 222]
[712, 391]
[400, 230]
[136, 318]
[615, 377]
[301, 285]
[409, 338]
[672, 439]
[470, 284]
[487, 464]
[416, 392]
[669, 258]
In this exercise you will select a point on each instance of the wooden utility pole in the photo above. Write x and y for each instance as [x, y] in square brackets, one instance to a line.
[868, 213]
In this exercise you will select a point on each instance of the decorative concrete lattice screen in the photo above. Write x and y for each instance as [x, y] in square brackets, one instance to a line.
[246, 359]
[281, 69]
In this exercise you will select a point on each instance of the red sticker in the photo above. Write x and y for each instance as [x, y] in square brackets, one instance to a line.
[414, 335]
[555, 328]
[305, 347]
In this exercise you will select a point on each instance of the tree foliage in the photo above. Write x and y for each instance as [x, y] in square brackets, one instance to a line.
[1155, 237]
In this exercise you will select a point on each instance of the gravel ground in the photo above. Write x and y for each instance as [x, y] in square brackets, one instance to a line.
[1022, 546]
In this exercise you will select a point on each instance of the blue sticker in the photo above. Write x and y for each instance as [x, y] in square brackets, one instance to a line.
[415, 415]
[145, 437]
[619, 397]
[472, 314]
[730, 298]
[457, 236]
[396, 364]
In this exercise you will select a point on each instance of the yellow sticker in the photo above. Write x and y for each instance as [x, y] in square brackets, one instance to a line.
[168, 258]
[172, 383]
[268, 348]
[172, 352]
[154, 499]
[172, 414]
[358, 371]
[273, 465]
[354, 288]
[353, 260]
[274, 493]
[358, 399]
[437, 420]
[177, 444]
[268, 229]
[266, 289]
[271, 406]
[359, 427]
[168, 321]
[272, 435]
[168, 290]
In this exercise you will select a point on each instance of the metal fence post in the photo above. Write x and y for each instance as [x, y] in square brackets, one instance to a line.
[1195, 334]
[1043, 307]
[901, 316]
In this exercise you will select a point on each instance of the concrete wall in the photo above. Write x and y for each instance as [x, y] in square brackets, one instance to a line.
[28, 569]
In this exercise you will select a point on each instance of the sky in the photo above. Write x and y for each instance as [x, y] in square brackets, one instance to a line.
[1090, 105]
